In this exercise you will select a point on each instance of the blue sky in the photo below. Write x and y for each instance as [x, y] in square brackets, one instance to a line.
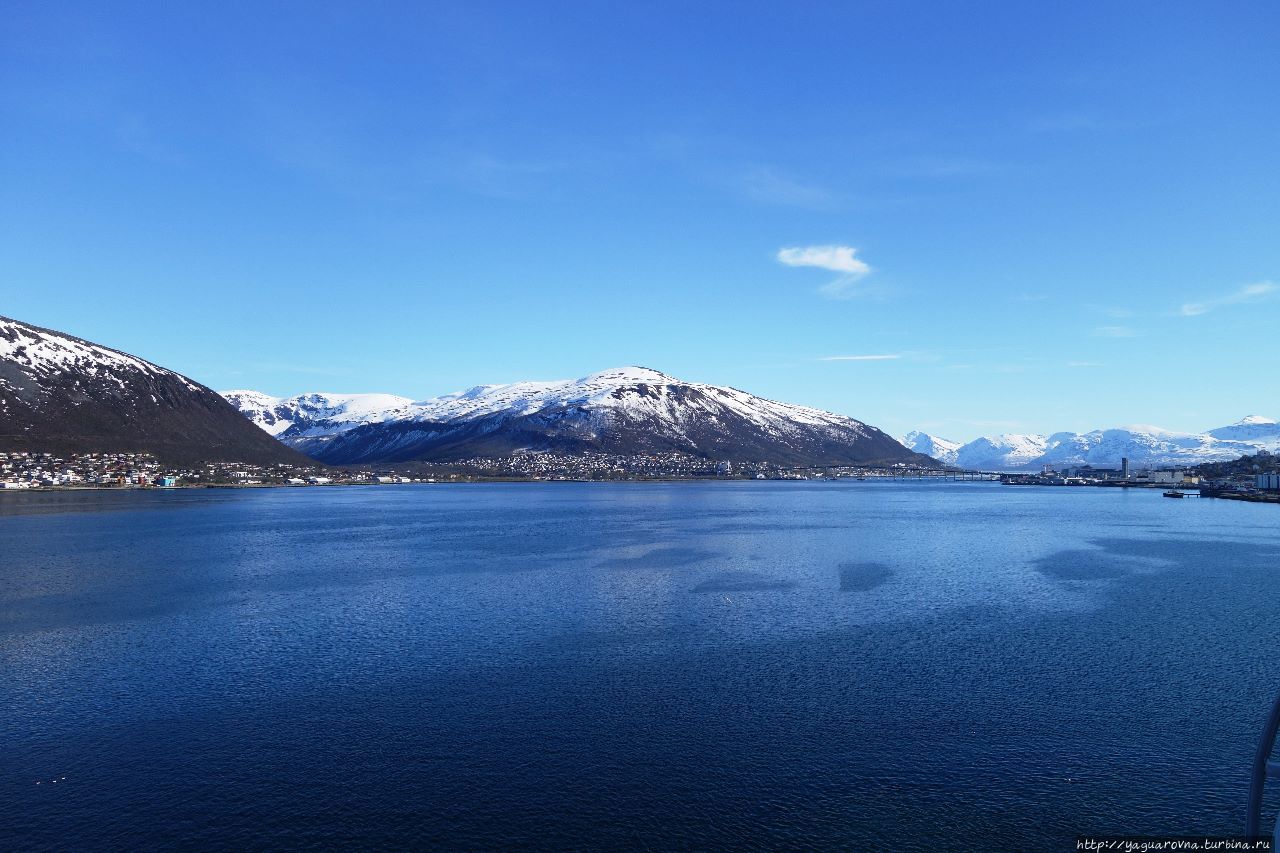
[969, 218]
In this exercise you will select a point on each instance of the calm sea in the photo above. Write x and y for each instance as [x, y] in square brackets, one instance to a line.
[785, 665]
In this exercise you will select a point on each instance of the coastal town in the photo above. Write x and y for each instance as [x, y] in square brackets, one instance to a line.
[139, 470]
[1255, 478]
[1250, 478]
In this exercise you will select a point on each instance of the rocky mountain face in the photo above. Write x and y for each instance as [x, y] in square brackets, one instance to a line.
[626, 411]
[1144, 446]
[60, 394]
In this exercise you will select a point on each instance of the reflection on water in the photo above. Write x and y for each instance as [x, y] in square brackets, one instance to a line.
[694, 665]
[860, 577]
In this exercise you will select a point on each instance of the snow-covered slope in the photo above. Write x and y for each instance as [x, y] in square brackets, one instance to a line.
[309, 419]
[931, 445]
[1001, 452]
[61, 394]
[1259, 431]
[636, 391]
[1144, 446]
[43, 353]
[625, 410]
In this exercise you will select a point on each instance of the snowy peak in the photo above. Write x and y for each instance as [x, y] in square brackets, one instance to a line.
[1255, 429]
[607, 387]
[629, 391]
[631, 375]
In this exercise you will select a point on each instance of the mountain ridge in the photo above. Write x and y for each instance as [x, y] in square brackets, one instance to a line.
[619, 410]
[1142, 444]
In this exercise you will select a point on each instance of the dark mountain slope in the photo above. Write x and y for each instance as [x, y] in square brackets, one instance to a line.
[60, 394]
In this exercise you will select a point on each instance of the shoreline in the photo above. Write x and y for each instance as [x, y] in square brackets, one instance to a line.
[475, 481]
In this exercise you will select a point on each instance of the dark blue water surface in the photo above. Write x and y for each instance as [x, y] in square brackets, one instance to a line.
[794, 665]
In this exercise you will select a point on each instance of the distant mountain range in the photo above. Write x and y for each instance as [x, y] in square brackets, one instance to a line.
[626, 410]
[60, 394]
[1144, 446]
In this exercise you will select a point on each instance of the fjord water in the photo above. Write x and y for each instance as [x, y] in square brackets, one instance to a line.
[936, 666]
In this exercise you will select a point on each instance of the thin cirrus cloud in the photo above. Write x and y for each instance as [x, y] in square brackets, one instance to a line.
[838, 259]
[1248, 293]
[878, 357]
[1114, 332]
[771, 187]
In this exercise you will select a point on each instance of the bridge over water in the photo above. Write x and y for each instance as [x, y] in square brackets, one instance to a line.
[856, 473]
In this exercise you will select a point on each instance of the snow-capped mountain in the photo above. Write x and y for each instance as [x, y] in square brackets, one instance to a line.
[931, 445]
[1257, 430]
[1001, 452]
[309, 420]
[1144, 446]
[316, 414]
[625, 410]
[61, 394]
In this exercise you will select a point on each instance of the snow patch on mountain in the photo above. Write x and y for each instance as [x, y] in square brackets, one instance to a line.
[41, 353]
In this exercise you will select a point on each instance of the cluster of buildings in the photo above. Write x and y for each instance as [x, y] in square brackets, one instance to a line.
[1087, 475]
[1255, 478]
[589, 466]
[22, 470]
[1266, 482]
[142, 470]
[1250, 478]
[648, 466]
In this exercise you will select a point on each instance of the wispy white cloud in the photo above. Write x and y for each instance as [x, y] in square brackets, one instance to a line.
[1249, 293]
[765, 184]
[879, 357]
[1115, 312]
[1085, 364]
[1114, 332]
[835, 258]
[839, 259]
